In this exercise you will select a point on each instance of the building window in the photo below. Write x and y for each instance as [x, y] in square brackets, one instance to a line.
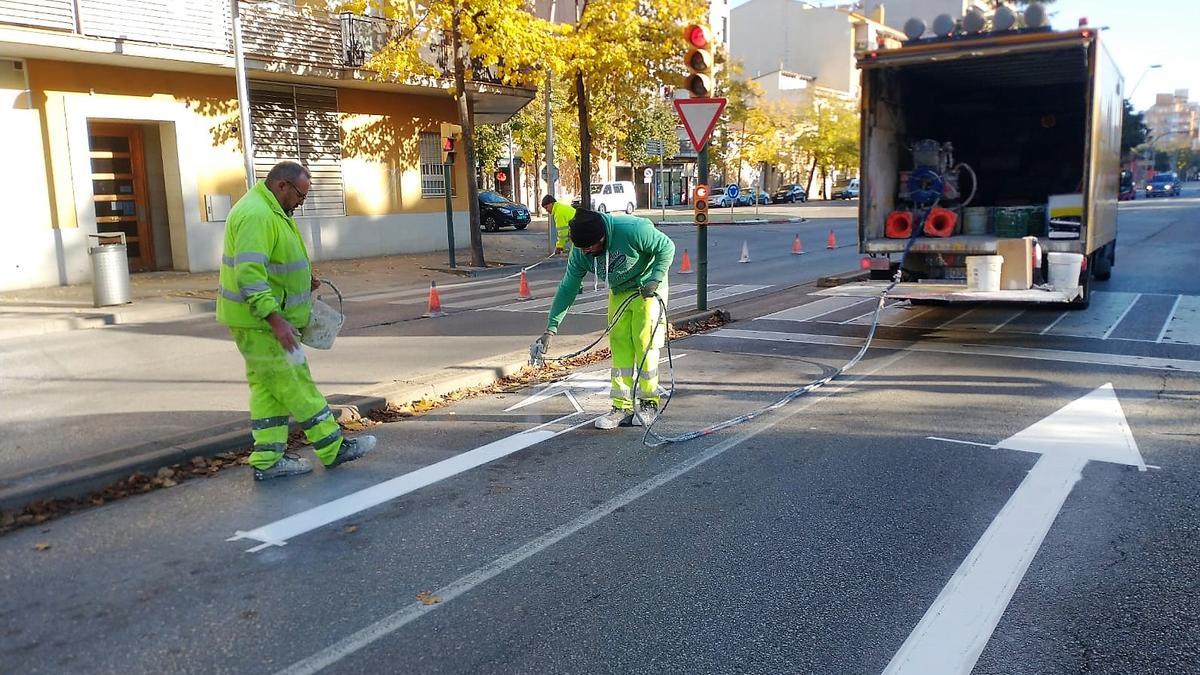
[433, 171]
[300, 124]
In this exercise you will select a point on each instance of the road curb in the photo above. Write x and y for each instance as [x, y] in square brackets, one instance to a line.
[86, 319]
[843, 278]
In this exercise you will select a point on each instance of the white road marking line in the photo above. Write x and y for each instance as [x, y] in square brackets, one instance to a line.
[955, 318]
[1097, 319]
[958, 625]
[1184, 326]
[816, 309]
[1170, 315]
[1053, 323]
[1001, 351]
[1006, 321]
[951, 440]
[280, 532]
[464, 584]
[1121, 318]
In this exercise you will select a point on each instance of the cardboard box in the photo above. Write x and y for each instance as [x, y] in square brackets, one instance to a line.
[1017, 272]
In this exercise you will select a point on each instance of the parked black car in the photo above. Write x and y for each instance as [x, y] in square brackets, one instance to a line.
[497, 211]
[789, 194]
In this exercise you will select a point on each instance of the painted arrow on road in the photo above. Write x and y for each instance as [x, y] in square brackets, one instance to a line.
[956, 628]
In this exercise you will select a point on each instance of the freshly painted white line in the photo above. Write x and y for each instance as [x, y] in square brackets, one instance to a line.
[955, 318]
[1097, 319]
[1170, 315]
[280, 532]
[952, 440]
[950, 637]
[1184, 326]
[1006, 321]
[816, 309]
[1121, 318]
[1053, 323]
[405, 615]
[1065, 356]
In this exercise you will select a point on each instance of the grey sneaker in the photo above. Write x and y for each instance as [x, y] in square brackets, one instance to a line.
[352, 449]
[288, 465]
[646, 414]
[615, 418]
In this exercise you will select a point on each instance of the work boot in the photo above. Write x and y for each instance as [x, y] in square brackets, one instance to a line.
[646, 414]
[615, 418]
[352, 449]
[288, 465]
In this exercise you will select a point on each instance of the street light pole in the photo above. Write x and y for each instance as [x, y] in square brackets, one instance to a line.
[1142, 77]
[239, 72]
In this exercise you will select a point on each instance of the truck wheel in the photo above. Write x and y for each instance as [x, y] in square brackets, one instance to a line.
[629, 209]
[1102, 263]
[1085, 299]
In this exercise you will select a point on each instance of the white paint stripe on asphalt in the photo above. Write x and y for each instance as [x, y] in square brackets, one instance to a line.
[1053, 323]
[464, 584]
[817, 308]
[946, 347]
[1100, 316]
[544, 303]
[420, 291]
[1184, 326]
[279, 532]
[1167, 322]
[488, 295]
[682, 300]
[1121, 318]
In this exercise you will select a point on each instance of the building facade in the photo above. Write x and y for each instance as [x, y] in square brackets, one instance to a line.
[122, 116]
[1174, 121]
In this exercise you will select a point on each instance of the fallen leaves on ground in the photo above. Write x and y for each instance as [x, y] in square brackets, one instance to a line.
[428, 598]
[41, 546]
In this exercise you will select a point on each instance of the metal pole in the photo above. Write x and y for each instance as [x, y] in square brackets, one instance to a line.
[550, 178]
[662, 190]
[512, 169]
[239, 74]
[446, 168]
[702, 238]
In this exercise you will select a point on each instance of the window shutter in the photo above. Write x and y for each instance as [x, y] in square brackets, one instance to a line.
[300, 124]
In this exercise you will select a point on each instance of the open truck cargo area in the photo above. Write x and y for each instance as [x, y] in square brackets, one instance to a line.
[972, 140]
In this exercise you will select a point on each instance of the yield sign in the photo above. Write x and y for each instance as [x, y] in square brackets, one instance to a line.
[699, 116]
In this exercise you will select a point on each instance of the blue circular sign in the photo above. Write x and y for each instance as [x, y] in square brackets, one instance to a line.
[732, 190]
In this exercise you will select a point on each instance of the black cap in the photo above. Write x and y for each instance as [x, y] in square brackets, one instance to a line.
[548, 200]
[587, 228]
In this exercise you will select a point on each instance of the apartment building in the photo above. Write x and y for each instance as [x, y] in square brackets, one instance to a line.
[122, 116]
[1174, 121]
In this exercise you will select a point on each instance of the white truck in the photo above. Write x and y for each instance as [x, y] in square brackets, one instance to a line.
[982, 138]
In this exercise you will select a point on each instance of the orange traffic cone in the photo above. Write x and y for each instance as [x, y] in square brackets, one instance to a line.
[745, 252]
[797, 247]
[435, 302]
[523, 290]
[832, 244]
[685, 266]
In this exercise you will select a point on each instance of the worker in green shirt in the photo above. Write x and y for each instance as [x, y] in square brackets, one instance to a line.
[560, 215]
[633, 257]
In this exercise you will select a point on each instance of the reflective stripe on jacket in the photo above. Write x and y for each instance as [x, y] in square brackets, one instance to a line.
[264, 266]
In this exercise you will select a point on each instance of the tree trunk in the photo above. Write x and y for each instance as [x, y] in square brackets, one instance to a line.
[467, 120]
[811, 172]
[585, 144]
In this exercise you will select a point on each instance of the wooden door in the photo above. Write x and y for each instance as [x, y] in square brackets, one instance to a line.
[119, 188]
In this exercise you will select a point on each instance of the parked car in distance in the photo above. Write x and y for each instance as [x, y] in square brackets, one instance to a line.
[719, 200]
[790, 194]
[1127, 191]
[1164, 184]
[748, 196]
[847, 190]
[497, 211]
[611, 196]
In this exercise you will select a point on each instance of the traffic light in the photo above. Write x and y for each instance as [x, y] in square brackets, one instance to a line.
[450, 136]
[700, 204]
[699, 61]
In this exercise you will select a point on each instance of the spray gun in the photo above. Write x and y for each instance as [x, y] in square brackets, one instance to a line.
[537, 351]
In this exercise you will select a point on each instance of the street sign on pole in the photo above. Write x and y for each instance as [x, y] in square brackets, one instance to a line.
[551, 177]
[648, 175]
[732, 190]
[699, 117]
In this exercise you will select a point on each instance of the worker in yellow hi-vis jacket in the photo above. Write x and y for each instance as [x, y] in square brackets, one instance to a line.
[560, 217]
[265, 297]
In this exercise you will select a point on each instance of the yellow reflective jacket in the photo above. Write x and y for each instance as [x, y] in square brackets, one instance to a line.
[264, 266]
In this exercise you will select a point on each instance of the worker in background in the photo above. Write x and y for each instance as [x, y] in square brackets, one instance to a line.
[265, 297]
[633, 257]
[560, 215]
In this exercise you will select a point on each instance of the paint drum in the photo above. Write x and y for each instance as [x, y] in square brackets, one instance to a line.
[975, 219]
[1064, 270]
[983, 272]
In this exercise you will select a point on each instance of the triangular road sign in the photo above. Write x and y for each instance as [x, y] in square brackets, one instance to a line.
[1092, 427]
[699, 116]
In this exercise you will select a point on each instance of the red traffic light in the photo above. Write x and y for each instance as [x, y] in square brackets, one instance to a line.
[697, 36]
[701, 192]
[447, 144]
[501, 176]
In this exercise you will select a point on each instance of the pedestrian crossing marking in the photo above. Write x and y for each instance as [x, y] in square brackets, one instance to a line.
[1183, 324]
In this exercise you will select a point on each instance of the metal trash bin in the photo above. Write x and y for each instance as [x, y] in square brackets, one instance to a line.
[110, 269]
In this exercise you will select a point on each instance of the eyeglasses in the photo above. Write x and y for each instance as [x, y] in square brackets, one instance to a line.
[301, 195]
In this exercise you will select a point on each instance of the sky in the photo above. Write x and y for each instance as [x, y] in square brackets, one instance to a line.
[1138, 34]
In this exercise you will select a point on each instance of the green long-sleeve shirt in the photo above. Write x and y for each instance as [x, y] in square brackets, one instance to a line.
[636, 252]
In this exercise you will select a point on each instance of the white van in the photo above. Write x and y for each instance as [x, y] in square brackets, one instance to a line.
[614, 196]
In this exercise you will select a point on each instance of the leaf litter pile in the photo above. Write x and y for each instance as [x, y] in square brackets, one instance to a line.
[44, 510]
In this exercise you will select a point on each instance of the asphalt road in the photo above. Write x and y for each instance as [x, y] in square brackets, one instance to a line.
[1010, 490]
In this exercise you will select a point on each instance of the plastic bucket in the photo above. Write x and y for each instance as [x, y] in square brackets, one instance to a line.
[1064, 270]
[975, 220]
[983, 272]
[324, 322]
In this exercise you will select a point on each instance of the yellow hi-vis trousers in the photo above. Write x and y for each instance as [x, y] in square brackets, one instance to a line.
[278, 390]
[637, 335]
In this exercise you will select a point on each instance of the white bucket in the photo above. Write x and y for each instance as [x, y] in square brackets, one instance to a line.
[1064, 270]
[975, 220]
[983, 272]
[324, 322]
